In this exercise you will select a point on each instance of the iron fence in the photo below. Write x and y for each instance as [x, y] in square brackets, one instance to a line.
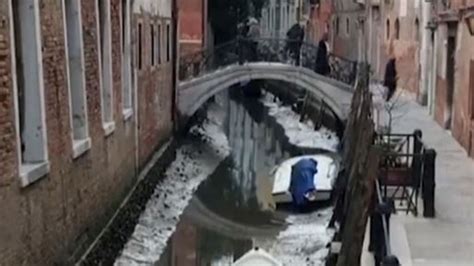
[407, 165]
[242, 50]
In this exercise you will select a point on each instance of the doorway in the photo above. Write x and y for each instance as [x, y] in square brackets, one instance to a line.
[450, 74]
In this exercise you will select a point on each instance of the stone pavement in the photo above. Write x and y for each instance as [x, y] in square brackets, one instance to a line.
[449, 238]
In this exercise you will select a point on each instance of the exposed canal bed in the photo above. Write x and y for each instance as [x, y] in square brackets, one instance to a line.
[214, 203]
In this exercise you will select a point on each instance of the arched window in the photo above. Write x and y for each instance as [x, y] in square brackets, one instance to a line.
[397, 29]
[336, 26]
[417, 30]
[347, 26]
[387, 29]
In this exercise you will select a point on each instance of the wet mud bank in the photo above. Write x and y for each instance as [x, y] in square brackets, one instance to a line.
[212, 186]
[305, 104]
[233, 210]
[115, 235]
[113, 238]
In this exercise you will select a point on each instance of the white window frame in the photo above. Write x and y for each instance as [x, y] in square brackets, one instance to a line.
[81, 141]
[169, 45]
[38, 168]
[126, 64]
[105, 66]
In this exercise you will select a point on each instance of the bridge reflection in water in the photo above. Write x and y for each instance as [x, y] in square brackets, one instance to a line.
[233, 206]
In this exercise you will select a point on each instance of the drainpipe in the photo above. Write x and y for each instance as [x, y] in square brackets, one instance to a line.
[426, 65]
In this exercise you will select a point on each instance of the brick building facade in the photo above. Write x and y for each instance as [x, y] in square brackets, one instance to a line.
[454, 71]
[319, 19]
[80, 114]
[346, 32]
[398, 34]
[192, 25]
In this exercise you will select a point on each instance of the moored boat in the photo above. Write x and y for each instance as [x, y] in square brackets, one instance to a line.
[256, 257]
[324, 179]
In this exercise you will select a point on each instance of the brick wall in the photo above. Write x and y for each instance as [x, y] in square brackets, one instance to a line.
[462, 122]
[462, 125]
[154, 86]
[405, 48]
[346, 36]
[320, 21]
[53, 220]
[192, 23]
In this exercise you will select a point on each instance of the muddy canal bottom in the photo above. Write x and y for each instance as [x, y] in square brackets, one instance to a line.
[232, 210]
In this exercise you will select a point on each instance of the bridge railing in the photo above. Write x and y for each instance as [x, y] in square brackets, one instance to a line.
[241, 50]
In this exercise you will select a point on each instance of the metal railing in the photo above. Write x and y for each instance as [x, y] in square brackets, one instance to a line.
[408, 165]
[406, 152]
[241, 50]
[380, 243]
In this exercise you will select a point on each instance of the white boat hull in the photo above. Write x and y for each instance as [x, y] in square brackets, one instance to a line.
[324, 179]
[257, 257]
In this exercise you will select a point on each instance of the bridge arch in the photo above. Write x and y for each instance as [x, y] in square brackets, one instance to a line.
[192, 94]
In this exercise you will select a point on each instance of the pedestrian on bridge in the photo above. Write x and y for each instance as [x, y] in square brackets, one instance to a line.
[295, 37]
[322, 57]
[252, 35]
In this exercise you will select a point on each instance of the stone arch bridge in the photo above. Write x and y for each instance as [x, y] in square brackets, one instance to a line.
[206, 73]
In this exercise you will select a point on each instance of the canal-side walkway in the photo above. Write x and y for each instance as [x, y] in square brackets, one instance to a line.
[448, 239]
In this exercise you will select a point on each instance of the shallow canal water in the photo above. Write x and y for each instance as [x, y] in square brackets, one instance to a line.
[232, 210]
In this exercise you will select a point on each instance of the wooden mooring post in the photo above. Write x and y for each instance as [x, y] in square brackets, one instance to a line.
[355, 187]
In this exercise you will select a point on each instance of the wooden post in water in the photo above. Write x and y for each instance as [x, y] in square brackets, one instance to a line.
[361, 161]
[359, 209]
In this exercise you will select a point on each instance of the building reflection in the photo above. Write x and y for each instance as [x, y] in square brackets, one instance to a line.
[192, 245]
[238, 191]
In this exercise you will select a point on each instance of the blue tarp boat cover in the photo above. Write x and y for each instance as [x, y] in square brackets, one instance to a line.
[302, 180]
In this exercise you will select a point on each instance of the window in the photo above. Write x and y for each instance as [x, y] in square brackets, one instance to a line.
[417, 30]
[397, 29]
[29, 90]
[158, 44]
[471, 87]
[337, 26]
[76, 76]
[152, 44]
[127, 61]
[106, 65]
[139, 47]
[347, 26]
[168, 42]
[387, 29]
[288, 15]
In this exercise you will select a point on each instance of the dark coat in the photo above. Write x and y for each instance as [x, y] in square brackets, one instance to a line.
[302, 180]
[322, 60]
[390, 79]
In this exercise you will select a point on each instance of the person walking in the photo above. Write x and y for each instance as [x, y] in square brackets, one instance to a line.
[322, 57]
[391, 75]
[390, 78]
[252, 35]
[294, 41]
